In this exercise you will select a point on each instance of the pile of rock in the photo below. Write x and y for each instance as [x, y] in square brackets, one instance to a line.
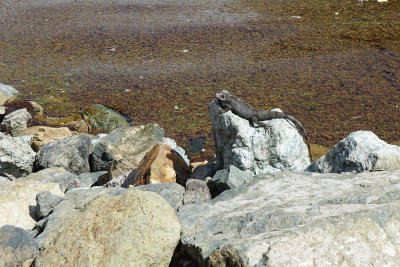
[129, 198]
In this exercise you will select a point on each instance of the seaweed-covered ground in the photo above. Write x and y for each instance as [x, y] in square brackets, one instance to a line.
[335, 65]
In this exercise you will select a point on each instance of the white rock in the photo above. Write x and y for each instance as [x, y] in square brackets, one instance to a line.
[16, 121]
[358, 152]
[7, 92]
[16, 157]
[253, 148]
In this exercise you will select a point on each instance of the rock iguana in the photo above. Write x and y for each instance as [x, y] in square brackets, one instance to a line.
[245, 111]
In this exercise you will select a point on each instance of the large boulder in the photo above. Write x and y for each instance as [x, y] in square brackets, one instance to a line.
[42, 135]
[16, 157]
[17, 246]
[7, 92]
[18, 199]
[253, 148]
[15, 122]
[71, 153]
[358, 152]
[65, 179]
[101, 119]
[115, 227]
[292, 219]
[122, 150]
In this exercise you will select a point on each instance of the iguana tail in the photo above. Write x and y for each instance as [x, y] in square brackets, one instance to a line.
[266, 115]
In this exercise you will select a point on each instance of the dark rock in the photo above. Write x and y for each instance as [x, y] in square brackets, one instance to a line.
[17, 246]
[71, 153]
[227, 179]
[201, 172]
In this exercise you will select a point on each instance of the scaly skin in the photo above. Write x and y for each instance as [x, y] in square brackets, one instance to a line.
[245, 111]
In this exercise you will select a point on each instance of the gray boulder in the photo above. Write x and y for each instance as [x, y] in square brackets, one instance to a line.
[229, 178]
[71, 153]
[253, 148]
[16, 157]
[122, 150]
[15, 122]
[17, 246]
[7, 92]
[358, 152]
[196, 192]
[109, 227]
[312, 219]
[46, 202]
[171, 192]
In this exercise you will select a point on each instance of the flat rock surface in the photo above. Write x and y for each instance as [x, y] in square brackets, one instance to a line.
[289, 219]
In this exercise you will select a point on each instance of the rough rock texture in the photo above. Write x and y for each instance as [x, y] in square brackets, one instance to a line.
[253, 148]
[18, 199]
[229, 178]
[196, 192]
[121, 150]
[15, 122]
[103, 119]
[46, 202]
[16, 157]
[293, 219]
[7, 92]
[171, 192]
[42, 135]
[65, 179]
[71, 153]
[358, 152]
[17, 246]
[117, 229]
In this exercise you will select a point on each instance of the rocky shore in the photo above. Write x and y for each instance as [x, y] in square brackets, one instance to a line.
[126, 195]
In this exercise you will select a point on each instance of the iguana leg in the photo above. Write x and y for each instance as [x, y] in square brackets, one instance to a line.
[262, 124]
[225, 109]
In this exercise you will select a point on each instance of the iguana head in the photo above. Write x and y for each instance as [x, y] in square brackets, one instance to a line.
[223, 96]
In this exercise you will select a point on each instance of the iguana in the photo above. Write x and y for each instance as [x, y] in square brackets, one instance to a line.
[245, 111]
